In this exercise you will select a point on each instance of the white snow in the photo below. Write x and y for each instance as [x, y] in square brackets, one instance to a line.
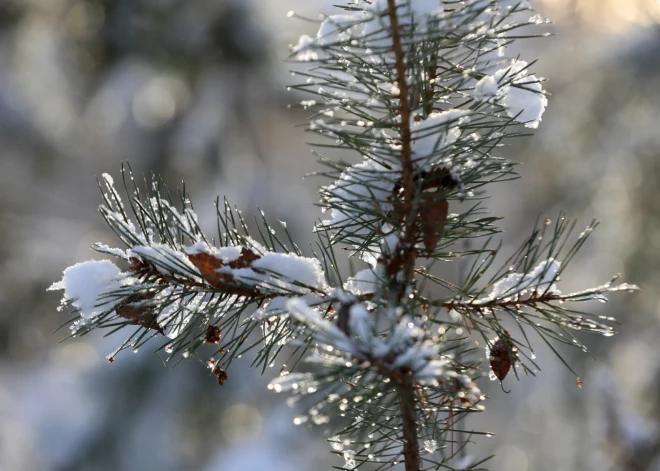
[253, 245]
[108, 179]
[175, 317]
[274, 307]
[277, 305]
[364, 282]
[598, 293]
[304, 50]
[366, 185]
[527, 103]
[85, 284]
[276, 331]
[431, 370]
[521, 94]
[390, 243]
[377, 28]
[405, 348]
[337, 28]
[360, 324]
[166, 259]
[385, 246]
[439, 131]
[486, 88]
[281, 272]
[539, 281]
[349, 460]
[226, 254]
[119, 253]
[325, 331]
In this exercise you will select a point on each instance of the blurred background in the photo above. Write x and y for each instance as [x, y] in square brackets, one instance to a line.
[196, 89]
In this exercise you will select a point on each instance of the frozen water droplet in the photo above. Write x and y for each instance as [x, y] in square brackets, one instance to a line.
[538, 19]
[430, 445]
[336, 443]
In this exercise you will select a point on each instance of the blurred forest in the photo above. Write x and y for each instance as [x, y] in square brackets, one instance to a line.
[196, 89]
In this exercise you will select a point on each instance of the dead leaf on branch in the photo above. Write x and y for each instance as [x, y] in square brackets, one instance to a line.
[208, 266]
[433, 215]
[139, 315]
[500, 357]
[138, 310]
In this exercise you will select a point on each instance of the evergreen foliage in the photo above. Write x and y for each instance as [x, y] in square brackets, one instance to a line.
[423, 93]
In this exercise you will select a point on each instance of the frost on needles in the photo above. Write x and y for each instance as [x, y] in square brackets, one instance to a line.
[423, 95]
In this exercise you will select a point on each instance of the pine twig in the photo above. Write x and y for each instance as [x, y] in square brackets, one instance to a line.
[409, 421]
[406, 392]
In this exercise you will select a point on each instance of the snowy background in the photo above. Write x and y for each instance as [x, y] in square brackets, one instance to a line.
[196, 89]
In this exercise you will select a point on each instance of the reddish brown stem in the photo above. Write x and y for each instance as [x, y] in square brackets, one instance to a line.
[503, 304]
[409, 423]
[406, 389]
[407, 181]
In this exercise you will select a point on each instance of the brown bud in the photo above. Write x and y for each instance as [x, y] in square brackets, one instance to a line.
[213, 334]
[220, 374]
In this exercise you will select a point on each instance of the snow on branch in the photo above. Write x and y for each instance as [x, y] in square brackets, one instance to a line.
[532, 296]
[520, 286]
[176, 283]
[521, 94]
[404, 352]
[423, 94]
[87, 286]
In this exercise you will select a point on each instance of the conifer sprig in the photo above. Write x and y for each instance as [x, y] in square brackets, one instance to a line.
[178, 284]
[422, 94]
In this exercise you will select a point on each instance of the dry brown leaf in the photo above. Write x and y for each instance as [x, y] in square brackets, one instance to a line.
[433, 214]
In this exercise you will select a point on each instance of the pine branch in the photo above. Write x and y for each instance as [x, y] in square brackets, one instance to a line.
[419, 94]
